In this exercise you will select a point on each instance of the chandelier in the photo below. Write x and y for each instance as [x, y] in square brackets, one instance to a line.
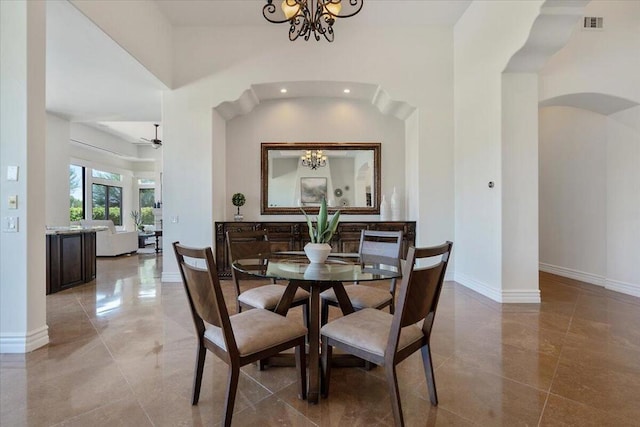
[314, 159]
[311, 16]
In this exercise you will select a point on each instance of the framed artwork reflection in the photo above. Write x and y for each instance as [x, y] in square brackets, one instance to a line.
[312, 190]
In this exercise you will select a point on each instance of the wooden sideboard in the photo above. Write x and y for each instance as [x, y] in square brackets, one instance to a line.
[293, 235]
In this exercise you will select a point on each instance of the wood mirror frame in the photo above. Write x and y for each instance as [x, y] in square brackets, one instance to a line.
[334, 193]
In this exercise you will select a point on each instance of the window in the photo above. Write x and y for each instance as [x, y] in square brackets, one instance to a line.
[144, 181]
[147, 199]
[107, 202]
[106, 175]
[76, 192]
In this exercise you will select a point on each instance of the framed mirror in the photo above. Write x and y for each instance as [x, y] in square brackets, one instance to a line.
[296, 175]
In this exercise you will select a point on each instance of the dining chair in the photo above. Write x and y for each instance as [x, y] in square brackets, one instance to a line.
[253, 249]
[238, 339]
[387, 339]
[382, 244]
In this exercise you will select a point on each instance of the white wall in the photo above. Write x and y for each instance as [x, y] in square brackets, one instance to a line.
[519, 230]
[573, 181]
[604, 61]
[57, 171]
[590, 198]
[234, 61]
[23, 325]
[307, 120]
[482, 50]
[623, 203]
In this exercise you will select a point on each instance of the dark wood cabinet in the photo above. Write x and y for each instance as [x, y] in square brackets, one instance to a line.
[71, 259]
[293, 235]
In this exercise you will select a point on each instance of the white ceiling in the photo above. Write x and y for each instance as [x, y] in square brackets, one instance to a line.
[91, 79]
[374, 12]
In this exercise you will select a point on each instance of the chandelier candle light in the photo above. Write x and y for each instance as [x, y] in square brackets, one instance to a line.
[308, 17]
[314, 158]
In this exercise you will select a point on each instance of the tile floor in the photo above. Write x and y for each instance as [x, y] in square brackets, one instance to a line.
[122, 353]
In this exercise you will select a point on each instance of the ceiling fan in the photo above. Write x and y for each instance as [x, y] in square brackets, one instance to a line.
[155, 142]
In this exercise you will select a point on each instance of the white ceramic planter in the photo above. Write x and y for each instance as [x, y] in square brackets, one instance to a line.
[317, 252]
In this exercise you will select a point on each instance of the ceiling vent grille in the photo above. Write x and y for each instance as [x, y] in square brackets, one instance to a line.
[592, 23]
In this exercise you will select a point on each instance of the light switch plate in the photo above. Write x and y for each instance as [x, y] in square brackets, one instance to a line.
[12, 173]
[10, 224]
[13, 202]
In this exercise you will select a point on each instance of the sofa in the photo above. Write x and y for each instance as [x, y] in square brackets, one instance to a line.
[112, 242]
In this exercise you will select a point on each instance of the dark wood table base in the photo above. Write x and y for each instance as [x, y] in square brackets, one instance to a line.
[314, 289]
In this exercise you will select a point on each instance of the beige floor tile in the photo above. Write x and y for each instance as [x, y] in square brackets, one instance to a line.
[563, 412]
[125, 412]
[122, 352]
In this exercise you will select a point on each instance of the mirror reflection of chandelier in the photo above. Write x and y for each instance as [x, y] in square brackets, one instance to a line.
[311, 16]
[314, 159]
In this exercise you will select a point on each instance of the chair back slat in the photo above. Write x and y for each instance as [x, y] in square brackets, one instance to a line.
[201, 294]
[420, 290]
[422, 294]
[380, 243]
[203, 290]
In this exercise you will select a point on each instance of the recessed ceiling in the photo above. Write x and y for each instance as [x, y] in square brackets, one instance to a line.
[91, 79]
[367, 92]
[597, 102]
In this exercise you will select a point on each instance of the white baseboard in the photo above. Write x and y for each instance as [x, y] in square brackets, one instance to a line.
[521, 297]
[478, 286]
[614, 285]
[594, 279]
[24, 343]
[501, 296]
[173, 277]
[623, 287]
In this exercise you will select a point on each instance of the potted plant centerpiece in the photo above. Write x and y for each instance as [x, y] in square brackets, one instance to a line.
[318, 248]
[238, 200]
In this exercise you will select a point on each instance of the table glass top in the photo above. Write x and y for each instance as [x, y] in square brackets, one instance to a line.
[340, 268]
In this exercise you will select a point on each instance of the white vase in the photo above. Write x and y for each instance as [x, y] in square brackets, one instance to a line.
[317, 253]
[395, 206]
[384, 209]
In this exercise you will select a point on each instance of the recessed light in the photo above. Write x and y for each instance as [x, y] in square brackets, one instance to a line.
[283, 90]
[347, 91]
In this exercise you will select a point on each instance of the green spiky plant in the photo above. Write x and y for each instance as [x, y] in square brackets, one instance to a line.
[324, 229]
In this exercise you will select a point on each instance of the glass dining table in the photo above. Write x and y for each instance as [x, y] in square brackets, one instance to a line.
[316, 278]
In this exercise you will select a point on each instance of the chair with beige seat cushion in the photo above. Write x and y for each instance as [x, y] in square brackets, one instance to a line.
[252, 248]
[387, 339]
[238, 339]
[381, 244]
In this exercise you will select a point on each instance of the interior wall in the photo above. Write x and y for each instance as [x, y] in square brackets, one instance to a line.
[573, 177]
[234, 61]
[23, 326]
[57, 171]
[308, 120]
[623, 202]
[481, 52]
[599, 61]
[590, 198]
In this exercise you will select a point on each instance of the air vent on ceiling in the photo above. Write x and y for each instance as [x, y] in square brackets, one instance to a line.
[592, 23]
